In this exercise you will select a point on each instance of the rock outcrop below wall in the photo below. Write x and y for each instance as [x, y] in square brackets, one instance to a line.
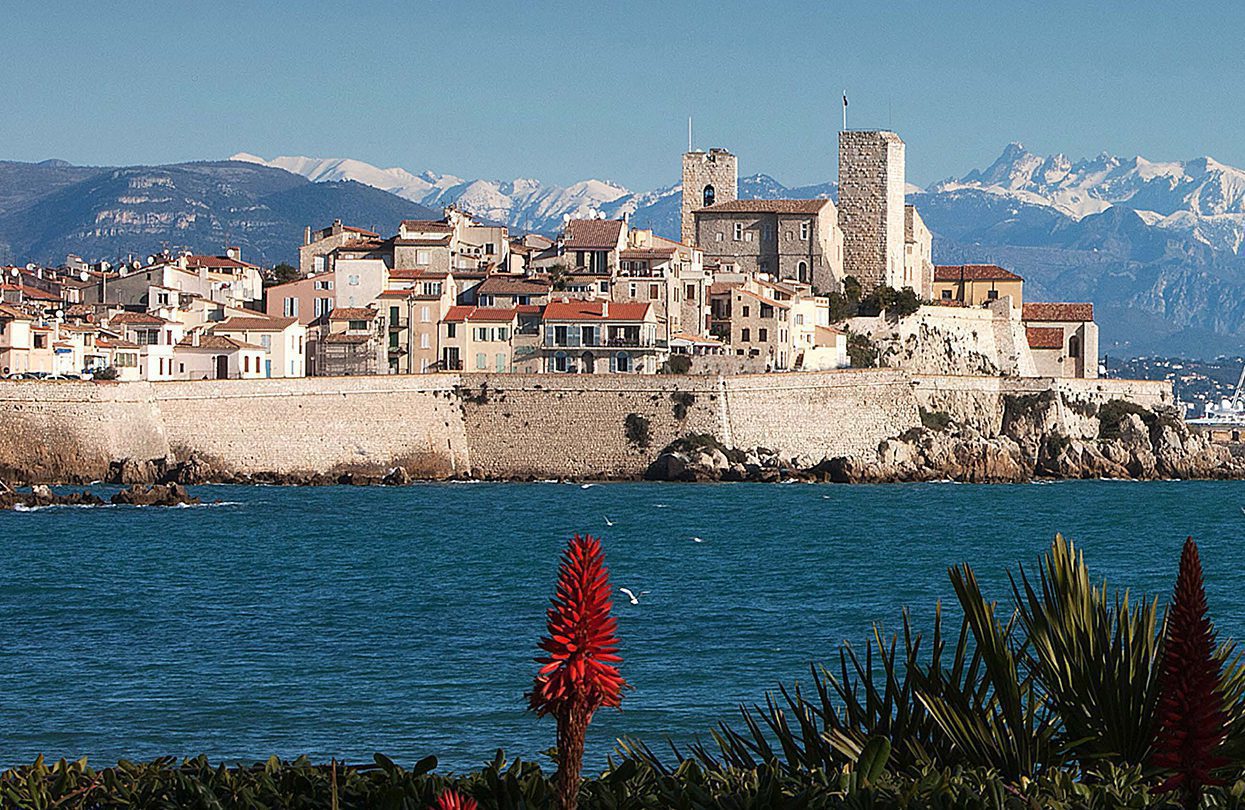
[489, 426]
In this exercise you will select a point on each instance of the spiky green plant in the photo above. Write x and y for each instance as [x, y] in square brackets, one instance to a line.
[1095, 657]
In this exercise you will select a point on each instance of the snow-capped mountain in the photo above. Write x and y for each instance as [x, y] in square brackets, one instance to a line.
[1202, 198]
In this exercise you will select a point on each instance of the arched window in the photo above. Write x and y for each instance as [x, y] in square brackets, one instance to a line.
[1074, 346]
[246, 362]
[802, 271]
[622, 361]
[559, 361]
[710, 195]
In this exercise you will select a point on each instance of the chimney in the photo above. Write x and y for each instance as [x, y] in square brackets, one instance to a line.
[234, 252]
[605, 308]
[337, 226]
[307, 235]
[194, 338]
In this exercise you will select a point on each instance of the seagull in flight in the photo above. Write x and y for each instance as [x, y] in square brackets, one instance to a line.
[608, 522]
[698, 539]
[634, 597]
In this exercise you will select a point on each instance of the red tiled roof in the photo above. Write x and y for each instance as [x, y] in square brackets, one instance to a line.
[215, 343]
[509, 285]
[255, 323]
[973, 272]
[1057, 312]
[767, 207]
[352, 314]
[592, 311]
[13, 313]
[1044, 337]
[647, 253]
[593, 234]
[141, 318]
[217, 262]
[115, 343]
[359, 230]
[464, 313]
[426, 225]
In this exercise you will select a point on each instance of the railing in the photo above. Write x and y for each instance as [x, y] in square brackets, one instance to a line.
[609, 343]
[452, 365]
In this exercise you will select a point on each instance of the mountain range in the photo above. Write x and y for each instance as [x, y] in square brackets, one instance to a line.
[1159, 247]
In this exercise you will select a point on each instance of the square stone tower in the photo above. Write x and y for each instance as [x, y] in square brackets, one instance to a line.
[871, 207]
[708, 178]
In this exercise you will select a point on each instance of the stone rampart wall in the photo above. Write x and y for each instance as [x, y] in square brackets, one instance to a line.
[503, 426]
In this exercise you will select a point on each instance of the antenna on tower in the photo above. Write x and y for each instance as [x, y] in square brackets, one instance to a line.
[689, 133]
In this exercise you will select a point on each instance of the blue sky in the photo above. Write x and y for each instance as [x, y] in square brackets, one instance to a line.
[564, 91]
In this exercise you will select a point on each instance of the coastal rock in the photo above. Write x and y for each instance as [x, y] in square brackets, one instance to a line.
[397, 477]
[155, 495]
[39, 496]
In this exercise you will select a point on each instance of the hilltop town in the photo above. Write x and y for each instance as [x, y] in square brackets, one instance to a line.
[752, 286]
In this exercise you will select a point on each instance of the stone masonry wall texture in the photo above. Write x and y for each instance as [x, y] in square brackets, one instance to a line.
[501, 426]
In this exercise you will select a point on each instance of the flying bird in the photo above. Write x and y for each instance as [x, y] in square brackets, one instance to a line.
[697, 539]
[634, 597]
[608, 522]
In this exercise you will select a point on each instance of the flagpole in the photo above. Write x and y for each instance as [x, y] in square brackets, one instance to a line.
[845, 111]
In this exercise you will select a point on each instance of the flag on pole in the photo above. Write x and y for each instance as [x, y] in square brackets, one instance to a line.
[844, 98]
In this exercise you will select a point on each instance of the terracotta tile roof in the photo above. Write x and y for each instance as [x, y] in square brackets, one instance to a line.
[764, 300]
[215, 263]
[216, 343]
[440, 241]
[509, 285]
[592, 311]
[362, 246]
[426, 225]
[115, 343]
[352, 314]
[137, 318]
[13, 313]
[973, 272]
[32, 292]
[829, 330]
[495, 315]
[767, 207]
[256, 323]
[1042, 311]
[1044, 337]
[359, 230]
[721, 287]
[593, 234]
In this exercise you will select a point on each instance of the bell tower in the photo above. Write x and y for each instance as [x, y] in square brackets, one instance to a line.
[708, 178]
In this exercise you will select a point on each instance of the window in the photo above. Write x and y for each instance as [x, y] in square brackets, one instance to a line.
[181, 368]
[423, 315]
[763, 335]
[324, 284]
[317, 264]
[946, 295]
[654, 292]
[799, 319]
[767, 311]
[394, 315]
[357, 326]
[690, 292]
[481, 361]
[632, 289]
[41, 341]
[802, 271]
[621, 362]
[290, 309]
[992, 295]
[421, 258]
[488, 251]
[709, 196]
[503, 333]
[739, 231]
[451, 330]
[500, 362]
[168, 337]
[717, 237]
[322, 306]
[1074, 346]
[423, 340]
[748, 236]
[246, 363]
[559, 361]
[803, 230]
[747, 311]
[266, 342]
[353, 280]
[162, 299]
[481, 334]
[393, 340]
[745, 335]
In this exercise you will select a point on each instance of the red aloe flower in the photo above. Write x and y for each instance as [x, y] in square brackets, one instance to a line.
[453, 800]
[1191, 716]
[579, 672]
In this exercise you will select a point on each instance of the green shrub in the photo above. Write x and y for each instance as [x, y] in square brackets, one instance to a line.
[105, 373]
[682, 401]
[935, 420]
[637, 430]
[676, 364]
[1112, 414]
[861, 351]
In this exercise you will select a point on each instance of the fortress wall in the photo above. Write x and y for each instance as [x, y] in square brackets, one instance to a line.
[980, 401]
[545, 425]
[817, 415]
[318, 424]
[490, 425]
[71, 431]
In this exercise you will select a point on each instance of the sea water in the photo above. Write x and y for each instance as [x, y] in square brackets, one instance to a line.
[337, 621]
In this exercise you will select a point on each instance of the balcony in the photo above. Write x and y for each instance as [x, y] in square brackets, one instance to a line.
[605, 343]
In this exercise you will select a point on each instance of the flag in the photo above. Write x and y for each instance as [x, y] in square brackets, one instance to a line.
[845, 98]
